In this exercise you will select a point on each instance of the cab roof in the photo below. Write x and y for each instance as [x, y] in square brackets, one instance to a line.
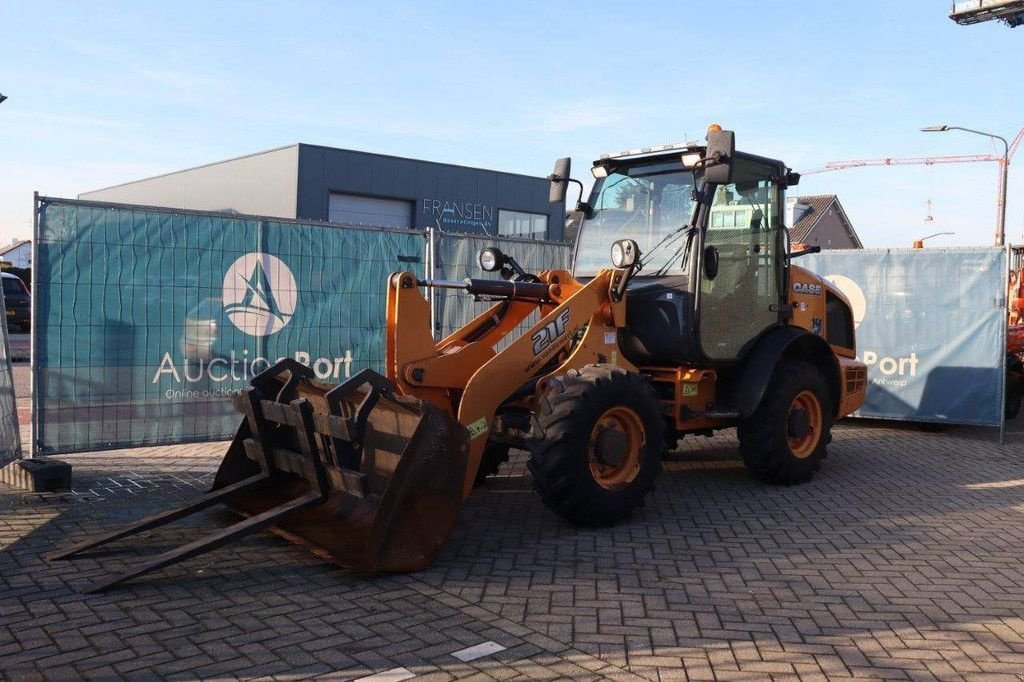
[672, 152]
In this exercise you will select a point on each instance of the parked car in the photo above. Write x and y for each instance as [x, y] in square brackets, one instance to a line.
[19, 303]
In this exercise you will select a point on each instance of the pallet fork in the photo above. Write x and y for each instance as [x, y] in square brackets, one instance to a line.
[360, 476]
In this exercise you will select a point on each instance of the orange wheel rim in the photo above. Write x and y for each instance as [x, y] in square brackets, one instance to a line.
[615, 446]
[803, 424]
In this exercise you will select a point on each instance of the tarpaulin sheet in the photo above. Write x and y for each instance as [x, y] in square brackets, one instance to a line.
[147, 320]
[931, 327]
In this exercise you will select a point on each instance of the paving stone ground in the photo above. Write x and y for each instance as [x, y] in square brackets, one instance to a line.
[903, 559]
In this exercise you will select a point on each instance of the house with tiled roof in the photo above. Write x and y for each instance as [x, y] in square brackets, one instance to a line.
[819, 220]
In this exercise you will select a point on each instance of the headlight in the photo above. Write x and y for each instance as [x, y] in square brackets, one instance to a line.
[490, 259]
[624, 253]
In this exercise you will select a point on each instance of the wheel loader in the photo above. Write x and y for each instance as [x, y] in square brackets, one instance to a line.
[683, 314]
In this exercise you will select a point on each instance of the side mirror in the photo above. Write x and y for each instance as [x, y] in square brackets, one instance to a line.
[792, 179]
[720, 151]
[625, 253]
[710, 262]
[559, 179]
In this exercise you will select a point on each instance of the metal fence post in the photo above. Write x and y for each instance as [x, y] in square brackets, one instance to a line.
[33, 345]
[1004, 300]
[431, 274]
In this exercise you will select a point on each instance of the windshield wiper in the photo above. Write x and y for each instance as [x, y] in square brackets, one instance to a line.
[665, 241]
[675, 256]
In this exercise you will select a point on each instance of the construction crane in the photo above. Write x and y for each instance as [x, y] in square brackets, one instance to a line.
[918, 160]
[1011, 149]
[906, 161]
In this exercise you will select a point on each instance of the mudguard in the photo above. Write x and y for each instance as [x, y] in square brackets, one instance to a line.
[755, 372]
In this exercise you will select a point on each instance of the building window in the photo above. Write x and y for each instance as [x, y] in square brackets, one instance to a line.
[522, 225]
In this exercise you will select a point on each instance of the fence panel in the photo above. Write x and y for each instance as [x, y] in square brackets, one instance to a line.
[931, 326]
[10, 436]
[146, 319]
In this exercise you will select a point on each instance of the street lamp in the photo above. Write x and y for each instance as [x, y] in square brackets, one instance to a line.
[1004, 164]
[919, 243]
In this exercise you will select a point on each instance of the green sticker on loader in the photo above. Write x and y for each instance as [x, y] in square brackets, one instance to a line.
[689, 389]
[477, 428]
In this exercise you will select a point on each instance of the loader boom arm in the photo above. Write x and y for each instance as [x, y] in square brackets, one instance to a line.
[465, 376]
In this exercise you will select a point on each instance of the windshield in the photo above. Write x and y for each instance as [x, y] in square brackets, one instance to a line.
[647, 203]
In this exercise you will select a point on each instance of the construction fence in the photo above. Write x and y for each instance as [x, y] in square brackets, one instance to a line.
[931, 327]
[148, 320]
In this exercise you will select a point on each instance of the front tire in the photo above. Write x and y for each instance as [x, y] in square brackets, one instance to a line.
[784, 440]
[600, 435]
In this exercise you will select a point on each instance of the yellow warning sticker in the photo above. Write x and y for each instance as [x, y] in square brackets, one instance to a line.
[477, 428]
[689, 389]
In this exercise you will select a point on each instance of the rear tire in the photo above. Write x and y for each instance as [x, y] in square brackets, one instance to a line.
[784, 440]
[600, 435]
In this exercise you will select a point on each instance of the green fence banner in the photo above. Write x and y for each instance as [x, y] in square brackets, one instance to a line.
[147, 320]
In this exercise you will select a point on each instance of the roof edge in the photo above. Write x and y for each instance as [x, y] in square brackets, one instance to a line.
[848, 224]
[191, 168]
[409, 158]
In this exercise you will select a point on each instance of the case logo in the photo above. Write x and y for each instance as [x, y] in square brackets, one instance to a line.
[806, 288]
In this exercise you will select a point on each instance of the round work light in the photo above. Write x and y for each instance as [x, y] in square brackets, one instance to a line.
[490, 259]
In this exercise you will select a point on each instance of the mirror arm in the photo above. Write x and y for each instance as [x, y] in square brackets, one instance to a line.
[797, 254]
[559, 178]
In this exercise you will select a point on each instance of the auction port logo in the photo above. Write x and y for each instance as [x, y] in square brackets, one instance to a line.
[260, 294]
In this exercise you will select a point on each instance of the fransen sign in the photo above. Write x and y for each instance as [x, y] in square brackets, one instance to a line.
[453, 214]
[259, 297]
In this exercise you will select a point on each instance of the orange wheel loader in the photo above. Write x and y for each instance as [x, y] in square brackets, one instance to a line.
[683, 314]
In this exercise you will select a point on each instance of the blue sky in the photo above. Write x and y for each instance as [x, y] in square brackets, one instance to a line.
[101, 92]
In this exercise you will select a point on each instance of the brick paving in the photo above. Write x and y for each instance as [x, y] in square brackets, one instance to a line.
[901, 560]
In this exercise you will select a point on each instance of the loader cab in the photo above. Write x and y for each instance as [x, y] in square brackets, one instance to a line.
[713, 252]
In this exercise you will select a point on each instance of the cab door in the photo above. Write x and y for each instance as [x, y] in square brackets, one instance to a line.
[739, 299]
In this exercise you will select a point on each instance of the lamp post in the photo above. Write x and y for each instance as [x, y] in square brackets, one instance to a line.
[1004, 164]
[919, 243]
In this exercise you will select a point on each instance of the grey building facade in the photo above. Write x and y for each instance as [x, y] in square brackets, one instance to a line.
[312, 182]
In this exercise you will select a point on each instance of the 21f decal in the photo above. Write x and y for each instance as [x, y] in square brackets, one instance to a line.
[549, 333]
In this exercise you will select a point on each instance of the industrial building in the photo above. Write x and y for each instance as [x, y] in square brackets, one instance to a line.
[312, 182]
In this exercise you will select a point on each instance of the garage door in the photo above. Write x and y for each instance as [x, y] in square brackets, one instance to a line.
[352, 209]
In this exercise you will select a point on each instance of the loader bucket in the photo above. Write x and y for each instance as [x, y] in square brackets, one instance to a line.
[395, 467]
[364, 478]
